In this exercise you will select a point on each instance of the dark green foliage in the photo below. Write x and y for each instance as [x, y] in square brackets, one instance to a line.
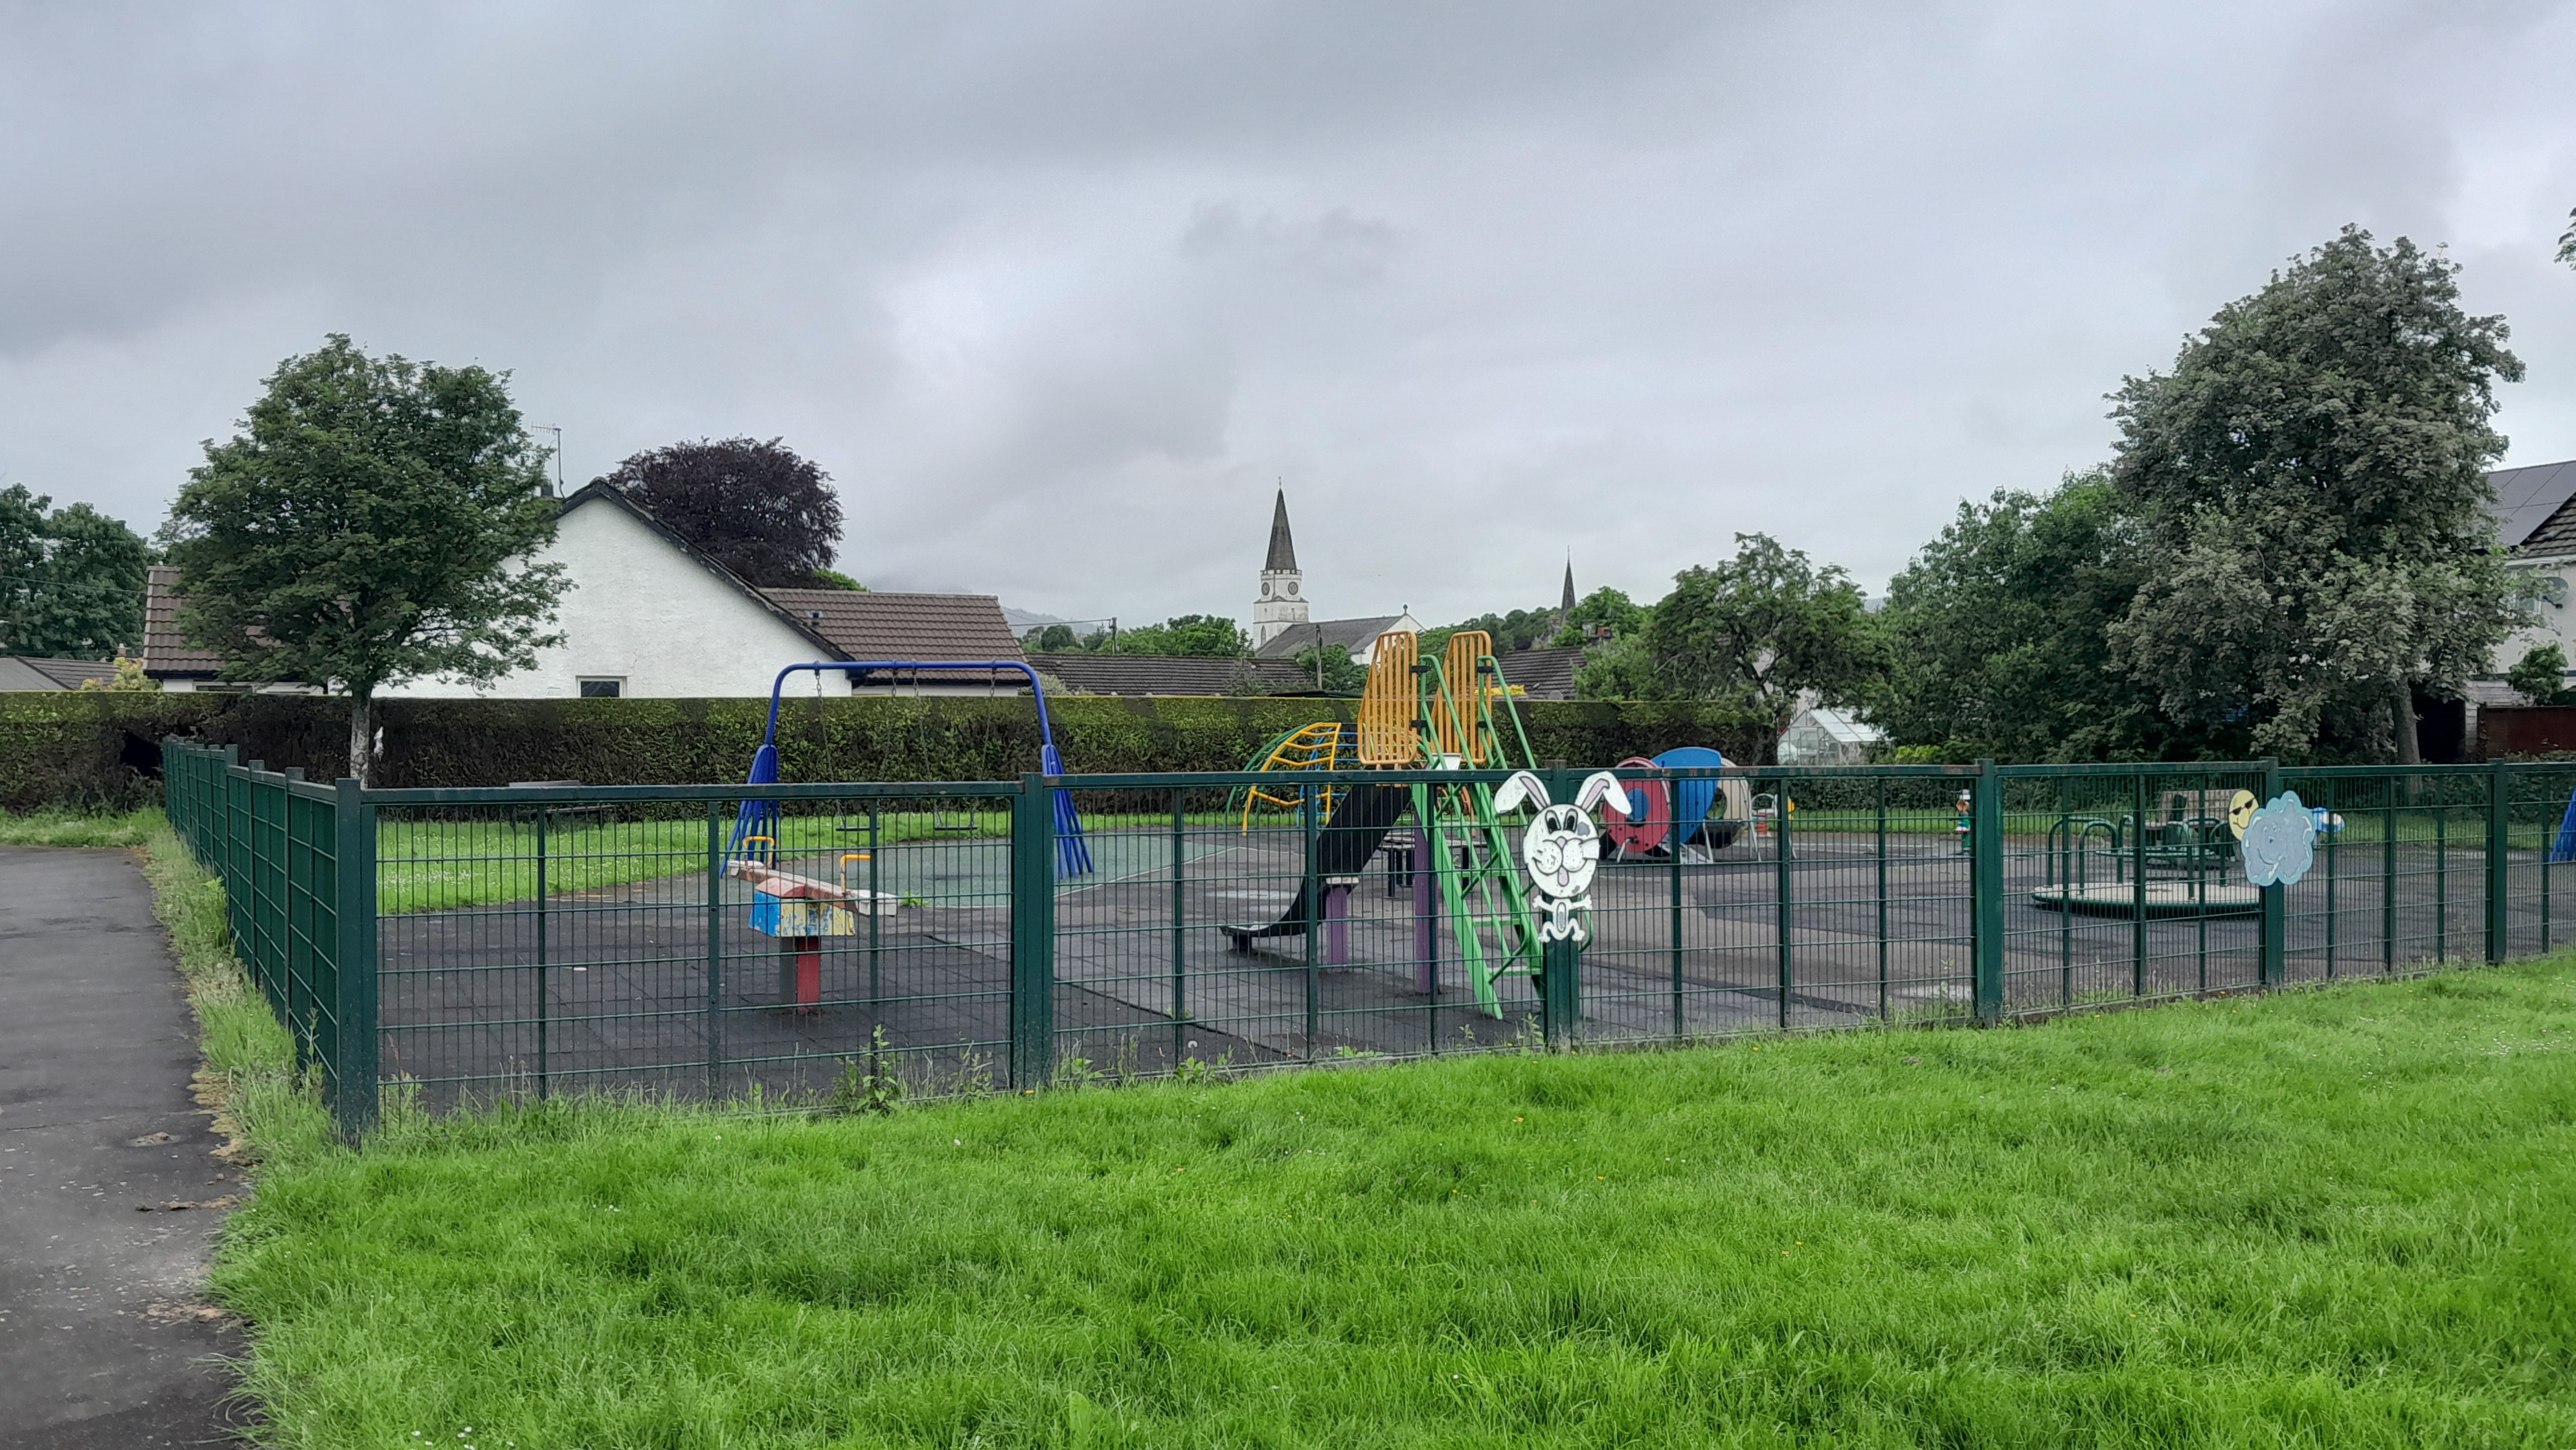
[1752, 634]
[1332, 668]
[1520, 629]
[1203, 635]
[2313, 512]
[1605, 613]
[1055, 639]
[371, 522]
[835, 579]
[98, 750]
[1996, 634]
[2541, 676]
[754, 507]
[71, 579]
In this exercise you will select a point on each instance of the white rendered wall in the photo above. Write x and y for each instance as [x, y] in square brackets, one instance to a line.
[640, 611]
[2550, 623]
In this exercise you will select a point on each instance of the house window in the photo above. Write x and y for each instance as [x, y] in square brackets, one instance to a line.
[603, 687]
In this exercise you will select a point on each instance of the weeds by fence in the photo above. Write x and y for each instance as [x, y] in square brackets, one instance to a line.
[456, 946]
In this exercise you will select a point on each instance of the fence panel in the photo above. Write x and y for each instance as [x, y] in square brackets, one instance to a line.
[2402, 870]
[853, 942]
[534, 943]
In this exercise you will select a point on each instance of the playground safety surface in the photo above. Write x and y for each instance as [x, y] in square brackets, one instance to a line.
[626, 1003]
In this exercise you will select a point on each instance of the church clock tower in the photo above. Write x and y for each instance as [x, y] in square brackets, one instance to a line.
[1283, 601]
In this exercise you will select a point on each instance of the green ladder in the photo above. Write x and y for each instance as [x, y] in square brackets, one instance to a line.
[1480, 887]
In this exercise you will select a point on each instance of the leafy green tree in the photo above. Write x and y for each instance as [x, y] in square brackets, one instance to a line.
[1055, 639]
[372, 521]
[1756, 632]
[1331, 667]
[2314, 516]
[835, 579]
[1518, 630]
[1605, 612]
[1186, 634]
[2541, 676]
[71, 579]
[1997, 632]
[22, 559]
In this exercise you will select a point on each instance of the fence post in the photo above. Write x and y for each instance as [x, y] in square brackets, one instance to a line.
[2499, 859]
[1560, 983]
[1560, 998]
[2272, 934]
[1986, 890]
[1033, 933]
[352, 1070]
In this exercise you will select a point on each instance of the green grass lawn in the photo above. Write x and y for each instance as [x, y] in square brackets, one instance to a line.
[441, 865]
[77, 828]
[2328, 1218]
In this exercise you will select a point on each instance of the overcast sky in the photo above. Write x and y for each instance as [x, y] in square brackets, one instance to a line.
[1056, 293]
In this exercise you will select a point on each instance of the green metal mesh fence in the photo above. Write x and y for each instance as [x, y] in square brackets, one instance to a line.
[853, 942]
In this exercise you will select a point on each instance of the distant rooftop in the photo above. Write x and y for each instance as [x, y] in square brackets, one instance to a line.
[2531, 501]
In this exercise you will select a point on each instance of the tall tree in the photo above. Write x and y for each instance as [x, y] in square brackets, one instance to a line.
[71, 579]
[1331, 667]
[1605, 613]
[1998, 641]
[1756, 632]
[756, 508]
[2316, 525]
[372, 521]
[1186, 634]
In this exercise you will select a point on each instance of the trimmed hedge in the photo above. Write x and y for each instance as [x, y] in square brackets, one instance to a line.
[102, 750]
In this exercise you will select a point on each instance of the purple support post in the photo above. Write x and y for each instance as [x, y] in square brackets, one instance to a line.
[1426, 919]
[1337, 921]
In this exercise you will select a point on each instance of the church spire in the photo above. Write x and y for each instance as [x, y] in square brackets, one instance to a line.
[1283, 549]
[1568, 606]
[1282, 605]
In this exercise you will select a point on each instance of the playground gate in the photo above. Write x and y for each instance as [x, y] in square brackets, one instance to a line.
[460, 947]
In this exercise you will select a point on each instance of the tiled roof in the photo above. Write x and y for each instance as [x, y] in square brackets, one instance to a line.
[1542, 674]
[70, 673]
[28, 672]
[1350, 634]
[2555, 537]
[877, 626]
[2532, 501]
[165, 654]
[1174, 675]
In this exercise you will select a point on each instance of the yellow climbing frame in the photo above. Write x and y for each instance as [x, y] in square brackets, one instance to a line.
[1315, 747]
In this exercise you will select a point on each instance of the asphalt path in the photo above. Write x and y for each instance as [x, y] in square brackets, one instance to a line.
[110, 1197]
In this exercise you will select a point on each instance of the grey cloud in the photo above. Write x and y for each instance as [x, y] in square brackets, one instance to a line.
[1056, 292]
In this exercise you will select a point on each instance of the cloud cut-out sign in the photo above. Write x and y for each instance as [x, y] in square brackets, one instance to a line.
[2280, 841]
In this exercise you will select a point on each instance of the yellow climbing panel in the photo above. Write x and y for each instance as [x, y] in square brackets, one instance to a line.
[1387, 705]
[1460, 704]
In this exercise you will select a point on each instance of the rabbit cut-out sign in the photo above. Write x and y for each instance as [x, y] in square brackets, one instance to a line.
[1562, 845]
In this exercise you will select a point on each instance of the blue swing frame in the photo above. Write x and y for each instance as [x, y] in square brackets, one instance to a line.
[760, 817]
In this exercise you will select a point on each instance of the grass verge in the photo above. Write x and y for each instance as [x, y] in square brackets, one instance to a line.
[249, 1076]
[77, 828]
[2321, 1218]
